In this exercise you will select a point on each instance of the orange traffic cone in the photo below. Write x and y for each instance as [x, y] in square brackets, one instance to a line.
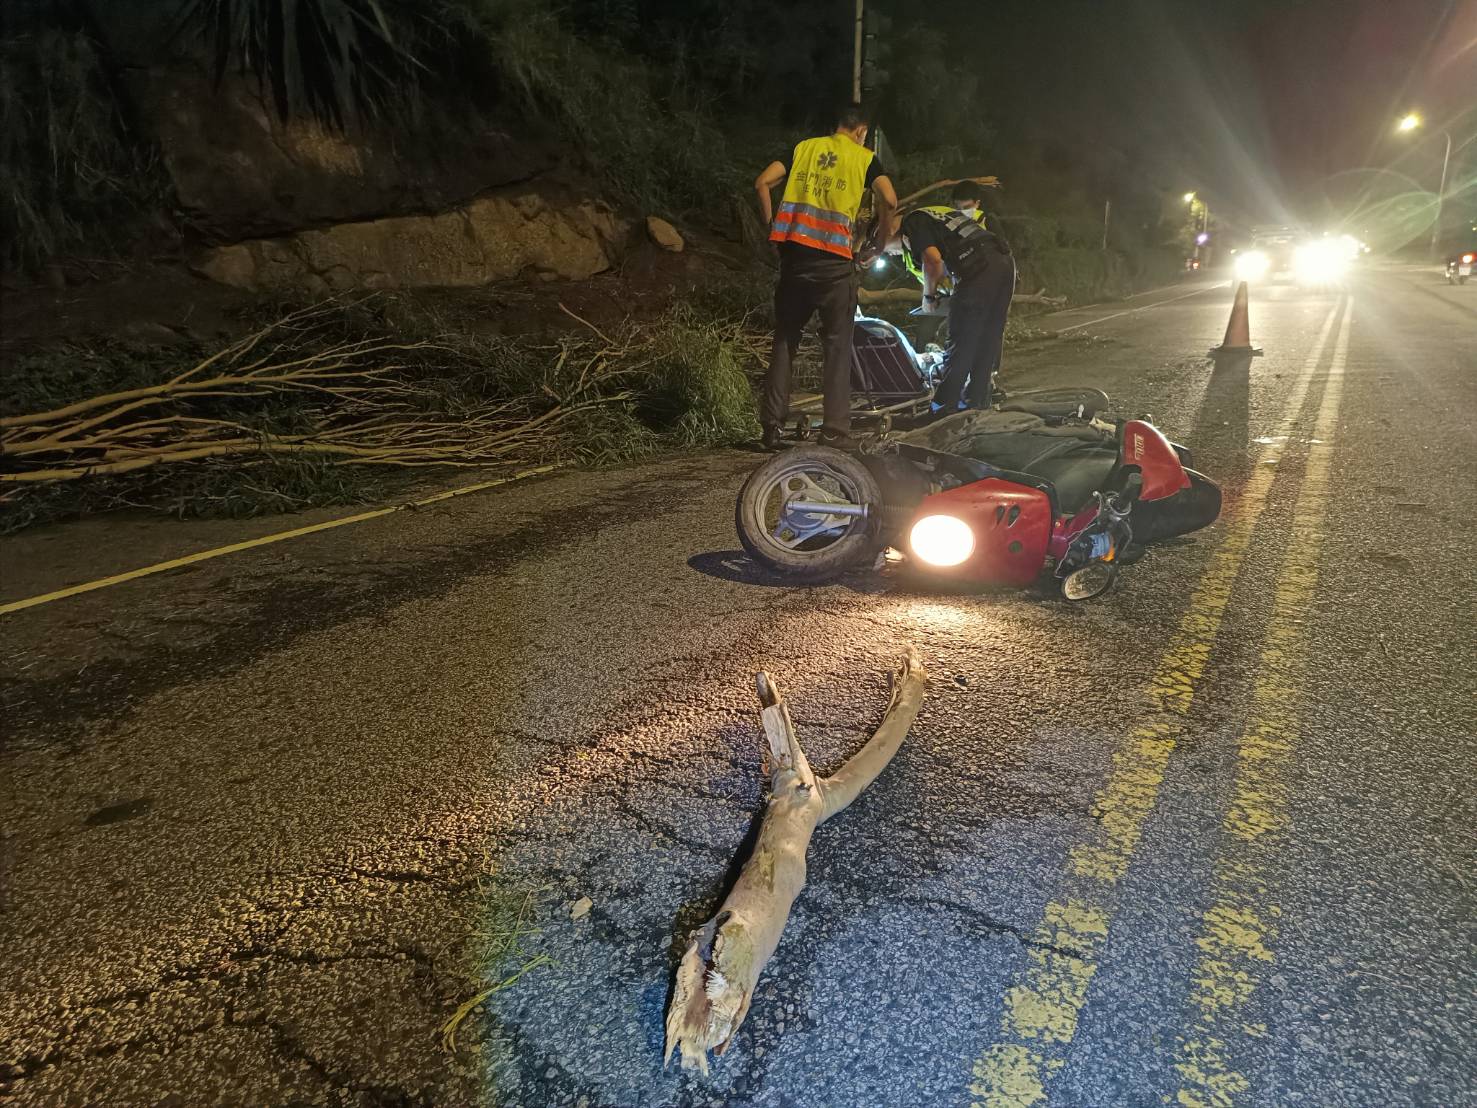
[1237, 343]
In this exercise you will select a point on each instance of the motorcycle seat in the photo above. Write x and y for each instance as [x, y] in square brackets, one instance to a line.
[1076, 469]
[1078, 459]
[1077, 475]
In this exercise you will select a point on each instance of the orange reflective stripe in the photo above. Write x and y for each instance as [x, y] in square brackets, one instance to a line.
[801, 238]
[820, 224]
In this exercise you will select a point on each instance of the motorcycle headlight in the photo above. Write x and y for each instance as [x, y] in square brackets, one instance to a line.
[1252, 266]
[941, 540]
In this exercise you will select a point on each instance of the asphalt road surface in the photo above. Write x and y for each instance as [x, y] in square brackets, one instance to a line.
[1207, 840]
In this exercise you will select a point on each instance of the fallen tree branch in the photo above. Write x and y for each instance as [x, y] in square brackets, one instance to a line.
[716, 979]
[988, 182]
[581, 319]
[903, 296]
[1038, 297]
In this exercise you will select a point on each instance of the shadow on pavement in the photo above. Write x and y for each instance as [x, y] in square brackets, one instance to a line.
[739, 568]
[1223, 425]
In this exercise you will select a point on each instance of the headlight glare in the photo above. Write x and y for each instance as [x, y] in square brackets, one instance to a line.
[941, 540]
[1252, 266]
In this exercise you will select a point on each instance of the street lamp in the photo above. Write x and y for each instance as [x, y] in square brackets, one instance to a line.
[1412, 121]
[1202, 217]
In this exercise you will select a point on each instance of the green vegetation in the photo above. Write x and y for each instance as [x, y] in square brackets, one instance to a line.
[638, 128]
[72, 179]
[1086, 274]
[496, 953]
[337, 60]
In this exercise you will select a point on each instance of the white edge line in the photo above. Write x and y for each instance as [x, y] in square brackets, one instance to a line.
[280, 536]
[1143, 308]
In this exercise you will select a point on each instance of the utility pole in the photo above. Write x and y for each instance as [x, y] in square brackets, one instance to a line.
[856, 55]
[1440, 196]
[1107, 210]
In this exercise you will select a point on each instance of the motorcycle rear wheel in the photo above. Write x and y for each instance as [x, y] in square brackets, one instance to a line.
[809, 545]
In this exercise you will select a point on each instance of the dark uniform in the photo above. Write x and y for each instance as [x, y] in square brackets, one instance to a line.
[982, 269]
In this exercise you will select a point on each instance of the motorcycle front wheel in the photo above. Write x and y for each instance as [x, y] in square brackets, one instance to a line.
[810, 514]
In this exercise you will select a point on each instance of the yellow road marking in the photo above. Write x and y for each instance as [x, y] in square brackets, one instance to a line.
[265, 540]
[1041, 1009]
[1238, 929]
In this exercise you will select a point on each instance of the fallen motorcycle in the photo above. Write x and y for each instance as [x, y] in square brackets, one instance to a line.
[981, 497]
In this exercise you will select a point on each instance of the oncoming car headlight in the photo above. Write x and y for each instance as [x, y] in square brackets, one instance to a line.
[941, 540]
[1319, 263]
[1252, 266]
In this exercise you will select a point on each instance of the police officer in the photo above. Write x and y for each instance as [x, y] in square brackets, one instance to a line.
[959, 245]
[825, 179]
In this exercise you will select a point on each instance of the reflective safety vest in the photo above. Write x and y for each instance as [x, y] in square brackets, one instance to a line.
[823, 191]
[970, 235]
[915, 264]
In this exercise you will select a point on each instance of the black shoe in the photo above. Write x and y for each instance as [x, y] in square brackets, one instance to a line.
[770, 440]
[836, 440]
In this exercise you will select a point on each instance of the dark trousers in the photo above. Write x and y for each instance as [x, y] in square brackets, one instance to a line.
[824, 286]
[977, 313]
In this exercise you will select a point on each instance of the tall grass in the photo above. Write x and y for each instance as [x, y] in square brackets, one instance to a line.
[71, 178]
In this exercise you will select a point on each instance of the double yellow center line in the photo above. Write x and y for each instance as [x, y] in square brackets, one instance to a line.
[1041, 1007]
[1238, 929]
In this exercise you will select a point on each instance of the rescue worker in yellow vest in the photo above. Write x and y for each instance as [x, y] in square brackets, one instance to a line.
[825, 180]
[959, 245]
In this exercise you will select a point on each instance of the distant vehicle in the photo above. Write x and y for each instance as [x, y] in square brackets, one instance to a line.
[1289, 254]
[1459, 267]
[1270, 256]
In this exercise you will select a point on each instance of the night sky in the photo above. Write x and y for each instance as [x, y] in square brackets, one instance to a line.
[1265, 105]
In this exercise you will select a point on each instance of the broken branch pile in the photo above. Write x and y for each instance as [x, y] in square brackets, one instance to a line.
[307, 385]
[355, 400]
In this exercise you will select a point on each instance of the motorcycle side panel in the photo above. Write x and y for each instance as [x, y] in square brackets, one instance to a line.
[1012, 529]
[1145, 447]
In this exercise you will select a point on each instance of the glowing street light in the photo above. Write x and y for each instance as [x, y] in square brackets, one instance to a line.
[1199, 219]
[1412, 121]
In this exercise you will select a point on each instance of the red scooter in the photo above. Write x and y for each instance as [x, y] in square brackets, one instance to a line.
[982, 497]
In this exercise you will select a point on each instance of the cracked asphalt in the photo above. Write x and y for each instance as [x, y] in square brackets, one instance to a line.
[257, 812]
